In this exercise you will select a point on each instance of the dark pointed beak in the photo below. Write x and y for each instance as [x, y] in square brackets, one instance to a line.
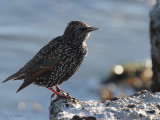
[89, 29]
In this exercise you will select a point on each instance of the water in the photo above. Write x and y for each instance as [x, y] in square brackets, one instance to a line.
[28, 25]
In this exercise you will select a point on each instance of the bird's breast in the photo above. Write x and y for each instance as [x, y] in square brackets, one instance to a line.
[85, 48]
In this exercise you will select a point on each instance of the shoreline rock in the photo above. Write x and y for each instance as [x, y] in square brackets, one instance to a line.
[141, 105]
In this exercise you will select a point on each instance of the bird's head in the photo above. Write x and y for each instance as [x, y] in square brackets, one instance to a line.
[78, 31]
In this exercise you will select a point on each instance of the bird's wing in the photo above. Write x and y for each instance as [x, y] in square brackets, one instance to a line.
[40, 63]
[36, 71]
[43, 61]
[40, 67]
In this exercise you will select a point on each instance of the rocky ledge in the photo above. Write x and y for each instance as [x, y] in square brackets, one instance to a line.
[141, 105]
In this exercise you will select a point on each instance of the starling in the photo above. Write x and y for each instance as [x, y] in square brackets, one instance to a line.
[57, 61]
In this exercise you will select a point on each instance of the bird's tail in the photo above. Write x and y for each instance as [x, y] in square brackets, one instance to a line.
[13, 77]
[27, 81]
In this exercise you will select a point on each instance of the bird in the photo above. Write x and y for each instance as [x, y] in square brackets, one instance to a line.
[57, 61]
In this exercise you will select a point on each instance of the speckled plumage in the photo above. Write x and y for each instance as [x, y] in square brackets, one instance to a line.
[58, 60]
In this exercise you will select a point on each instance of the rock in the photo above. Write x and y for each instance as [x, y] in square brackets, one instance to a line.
[142, 105]
[83, 118]
[131, 105]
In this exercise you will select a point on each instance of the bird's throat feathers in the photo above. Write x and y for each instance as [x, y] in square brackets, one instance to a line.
[76, 40]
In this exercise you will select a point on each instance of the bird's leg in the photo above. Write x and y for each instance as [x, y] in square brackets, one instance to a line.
[55, 92]
[58, 89]
[61, 91]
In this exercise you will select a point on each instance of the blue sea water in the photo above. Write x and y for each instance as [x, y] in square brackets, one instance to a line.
[27, 25]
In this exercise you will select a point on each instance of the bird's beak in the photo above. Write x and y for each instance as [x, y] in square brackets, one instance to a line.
[89, 29]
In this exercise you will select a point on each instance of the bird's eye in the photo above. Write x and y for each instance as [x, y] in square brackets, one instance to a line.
[82, 29]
